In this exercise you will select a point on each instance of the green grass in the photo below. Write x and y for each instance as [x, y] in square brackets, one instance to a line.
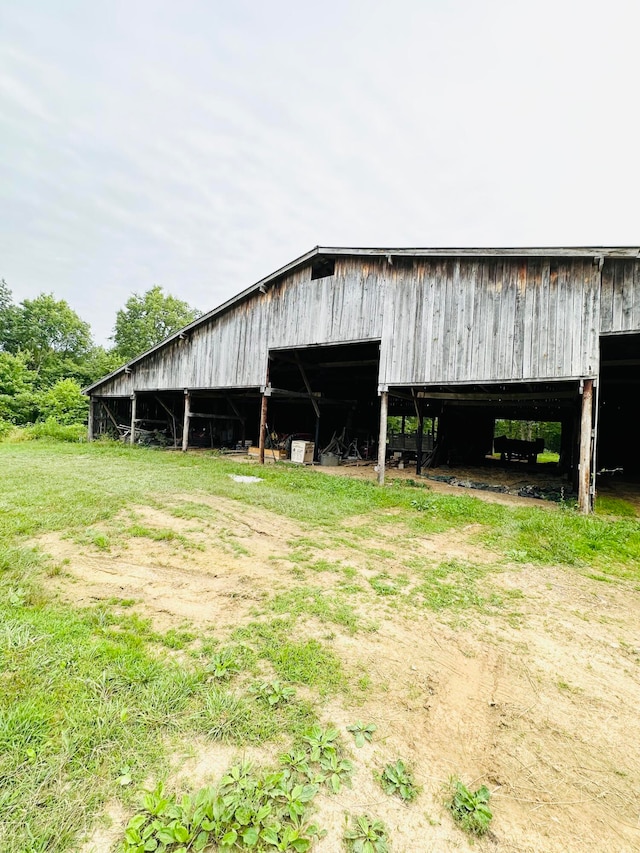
[607, 505]
[298, 660]
[325, 606]
[86, 692]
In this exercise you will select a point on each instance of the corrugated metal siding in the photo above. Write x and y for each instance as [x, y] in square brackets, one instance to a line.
[620, 296]
[490, 320]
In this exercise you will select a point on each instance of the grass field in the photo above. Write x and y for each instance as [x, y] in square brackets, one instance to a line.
[162, 623]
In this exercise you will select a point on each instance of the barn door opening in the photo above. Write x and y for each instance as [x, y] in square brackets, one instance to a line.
[327, 396]
[618, 446]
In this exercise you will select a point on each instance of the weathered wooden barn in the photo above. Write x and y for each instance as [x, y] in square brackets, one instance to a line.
[341, 337]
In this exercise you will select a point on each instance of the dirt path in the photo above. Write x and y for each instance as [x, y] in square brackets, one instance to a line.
[538, 701]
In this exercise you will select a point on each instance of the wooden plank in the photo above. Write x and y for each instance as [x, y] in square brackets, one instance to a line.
[635, 322]
[382, 436]
[606, 298]
[520, 319]
[132, 434]
[428, 284]
[263, 427]
[213, 417]
[185, 424]
[616, 324]
[552, 327]
[627, 295]
[586, 425]
[530, 318]
[471, 283]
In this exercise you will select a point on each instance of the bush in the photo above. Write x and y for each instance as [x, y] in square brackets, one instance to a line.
[54, 430]
[64, 402]
[5, 428]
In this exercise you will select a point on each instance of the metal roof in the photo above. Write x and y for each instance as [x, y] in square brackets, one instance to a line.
[388, 252]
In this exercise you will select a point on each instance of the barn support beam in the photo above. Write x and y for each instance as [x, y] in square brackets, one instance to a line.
[586, 427]
[172, 421]
[382, 439]
[187, 419]
[419, 441]
[263, 424]
[134, 404]
[240, 417]
[91, 419]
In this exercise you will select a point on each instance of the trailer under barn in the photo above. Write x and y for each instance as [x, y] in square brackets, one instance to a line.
[338, 340]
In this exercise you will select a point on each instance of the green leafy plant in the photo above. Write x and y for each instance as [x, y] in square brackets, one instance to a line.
[321, 742]
[247, 810]
[362, 732]
[297, 760]
[397, 780]
[337, 771]
[273, 693]
[221, 666]
[470, 809]
[366, 835]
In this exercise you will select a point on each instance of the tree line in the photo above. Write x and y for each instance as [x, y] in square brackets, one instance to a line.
[47, 353]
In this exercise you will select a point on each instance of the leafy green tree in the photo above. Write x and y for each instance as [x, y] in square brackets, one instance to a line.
[7, 313]
[47, 330]
[148, 319]
[65, 402]
[97, 363]
[18, 395]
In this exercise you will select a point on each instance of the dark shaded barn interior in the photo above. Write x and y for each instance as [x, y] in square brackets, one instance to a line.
[619, 405]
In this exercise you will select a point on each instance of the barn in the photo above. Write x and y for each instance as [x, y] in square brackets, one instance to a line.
[338, 340]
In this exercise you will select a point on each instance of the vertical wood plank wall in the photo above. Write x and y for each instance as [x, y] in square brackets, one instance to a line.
[490, 320]
[620, 297]
[440, 320]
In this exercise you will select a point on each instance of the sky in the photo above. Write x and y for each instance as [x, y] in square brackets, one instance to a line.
[201, 144]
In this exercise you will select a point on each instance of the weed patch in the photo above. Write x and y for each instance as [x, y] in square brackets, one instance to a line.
[470, 809]
[315, 602]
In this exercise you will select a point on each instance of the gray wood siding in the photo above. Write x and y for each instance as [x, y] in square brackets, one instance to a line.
[231, 350]
[440, 320]
[456, 320]
[346, 306]
[620, 297]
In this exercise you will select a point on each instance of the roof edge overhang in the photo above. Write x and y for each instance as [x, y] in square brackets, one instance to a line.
[382, 252]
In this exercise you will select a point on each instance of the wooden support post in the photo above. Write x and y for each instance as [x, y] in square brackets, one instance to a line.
[111, 417]
[90, 420]
[132, 436]
[307, 385]
[382, 439]
[172, 422]
[586, 426]
[187, 418]
[263, 425]
[240, 417]
[419, 440]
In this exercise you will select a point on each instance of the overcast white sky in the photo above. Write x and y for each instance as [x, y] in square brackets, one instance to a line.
[201, 145]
